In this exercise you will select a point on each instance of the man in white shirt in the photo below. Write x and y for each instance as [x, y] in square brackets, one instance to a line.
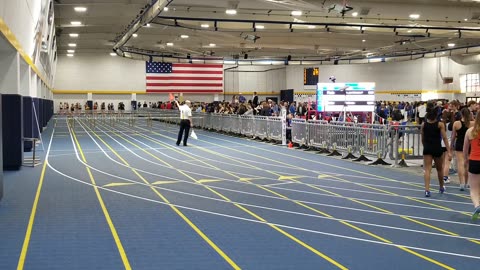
[185, 121]
[422, 111]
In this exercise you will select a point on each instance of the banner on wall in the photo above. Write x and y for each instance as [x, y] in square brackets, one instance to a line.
[183, 78]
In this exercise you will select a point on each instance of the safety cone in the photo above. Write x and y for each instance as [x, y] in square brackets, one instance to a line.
[290, 144]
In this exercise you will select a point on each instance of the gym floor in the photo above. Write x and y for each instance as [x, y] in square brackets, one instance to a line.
[114, 195]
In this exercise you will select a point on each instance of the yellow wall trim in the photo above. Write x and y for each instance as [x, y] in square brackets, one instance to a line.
[16, 44]
[142, 92]
[100, 92]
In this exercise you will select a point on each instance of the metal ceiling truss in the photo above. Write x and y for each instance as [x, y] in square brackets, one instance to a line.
[151, 15]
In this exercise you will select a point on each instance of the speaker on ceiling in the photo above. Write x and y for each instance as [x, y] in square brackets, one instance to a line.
[245, 56]
[335, 62]
[289, 57]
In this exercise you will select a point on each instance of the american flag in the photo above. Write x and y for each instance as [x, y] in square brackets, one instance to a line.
[184, 78]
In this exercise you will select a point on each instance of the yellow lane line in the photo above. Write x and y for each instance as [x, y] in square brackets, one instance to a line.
[306, 206]
[118, 184]
[347, 181]
[31, 220]
[300, 242]
[174, 208]
[113, 230]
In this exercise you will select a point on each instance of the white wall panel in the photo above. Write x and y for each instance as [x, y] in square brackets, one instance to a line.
[103, 72]
[33, 83]
[9, 73]
[24, 79]
[99, 72]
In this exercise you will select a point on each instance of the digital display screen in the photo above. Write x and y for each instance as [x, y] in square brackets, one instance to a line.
[310, 76]
[354, 97]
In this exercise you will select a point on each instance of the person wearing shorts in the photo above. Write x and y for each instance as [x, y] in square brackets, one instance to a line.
[472, 143]
[458, 134]
[432, 133]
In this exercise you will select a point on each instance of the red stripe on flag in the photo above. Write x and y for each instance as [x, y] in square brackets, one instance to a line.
[161, 78]
[196, 72]
[198, 65]
[185, 84]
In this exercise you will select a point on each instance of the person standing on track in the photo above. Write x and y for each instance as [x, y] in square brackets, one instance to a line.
[433, 132]
[472, 139]
[185, 121]
[458, 135]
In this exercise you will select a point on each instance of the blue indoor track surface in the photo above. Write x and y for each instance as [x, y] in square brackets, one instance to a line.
[119, 196]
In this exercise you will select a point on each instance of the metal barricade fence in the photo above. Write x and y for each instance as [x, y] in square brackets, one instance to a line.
[217, 122]
[342, 136]
[260, 127]
[370, 139]
[207, 121]
[247, 125]
[317, 132]
[299, 131]
[227, 123]
[274, 128]
[373, 139]
[406, 142]
[236, 126]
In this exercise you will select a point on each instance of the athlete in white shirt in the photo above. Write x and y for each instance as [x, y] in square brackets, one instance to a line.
[185, 121]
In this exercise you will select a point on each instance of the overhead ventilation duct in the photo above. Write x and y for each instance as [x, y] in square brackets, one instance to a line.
[152, 12]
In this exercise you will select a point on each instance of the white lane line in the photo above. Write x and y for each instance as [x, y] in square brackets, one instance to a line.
[254, 194]
[279, 225]
[277, 184]
[299, 191]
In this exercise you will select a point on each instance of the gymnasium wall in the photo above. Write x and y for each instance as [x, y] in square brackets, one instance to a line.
[406, 81]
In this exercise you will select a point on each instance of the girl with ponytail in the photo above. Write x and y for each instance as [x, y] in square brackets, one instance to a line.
[472, 142]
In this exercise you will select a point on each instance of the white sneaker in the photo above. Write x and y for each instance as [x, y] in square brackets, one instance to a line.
[462, 187]
[446, 180]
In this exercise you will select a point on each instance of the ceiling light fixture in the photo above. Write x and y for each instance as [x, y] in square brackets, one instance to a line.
[148, 25]
[135, 35]
[170, 44]
[80, 9]
[414, 16]
[409, 31]
[364, 40]
[72, 45]
[73, 35]
[451, 45]
[184, 36]
[165, 9]
[259, 27]
[297, 13]
[231, 11]
[213, 44]
[76, 23]
[355, 14]
[205, 25]
[465, 19]
[70, 51]
[311, 26]
[113, 54]
[69, 55]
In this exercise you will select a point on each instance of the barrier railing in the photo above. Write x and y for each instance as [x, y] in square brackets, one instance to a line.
[398, 142]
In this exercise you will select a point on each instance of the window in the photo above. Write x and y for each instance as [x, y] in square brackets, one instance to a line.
[470, 83]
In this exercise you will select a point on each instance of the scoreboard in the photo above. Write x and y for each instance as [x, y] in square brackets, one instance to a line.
[354, 97]
[310, 76]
